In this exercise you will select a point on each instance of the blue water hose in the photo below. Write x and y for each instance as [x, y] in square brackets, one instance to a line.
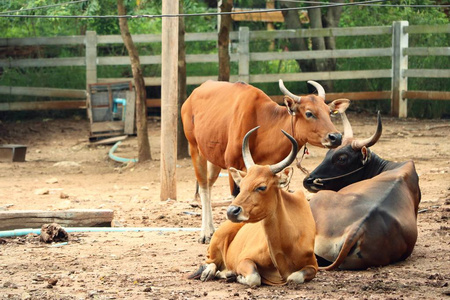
[119, 159]
[25, 231]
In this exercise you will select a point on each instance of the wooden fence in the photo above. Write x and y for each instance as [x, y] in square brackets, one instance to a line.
[399, 71]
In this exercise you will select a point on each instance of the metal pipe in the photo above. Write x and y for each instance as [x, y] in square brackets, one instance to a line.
[119, 159]
[25, 231]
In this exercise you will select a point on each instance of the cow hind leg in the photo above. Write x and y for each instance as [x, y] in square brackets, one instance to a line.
[304, 275]
[248, 273]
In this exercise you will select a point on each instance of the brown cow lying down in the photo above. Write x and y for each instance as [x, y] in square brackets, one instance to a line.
[269, 237]
[366, 210]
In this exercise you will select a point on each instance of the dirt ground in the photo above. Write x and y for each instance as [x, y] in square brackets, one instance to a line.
[152, 265]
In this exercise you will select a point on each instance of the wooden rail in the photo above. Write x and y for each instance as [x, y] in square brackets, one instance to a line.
[398, 72]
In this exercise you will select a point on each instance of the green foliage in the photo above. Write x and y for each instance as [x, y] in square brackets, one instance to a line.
[384, 16]
[74, 77]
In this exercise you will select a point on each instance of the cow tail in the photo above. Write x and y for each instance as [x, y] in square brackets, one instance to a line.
[352, 238]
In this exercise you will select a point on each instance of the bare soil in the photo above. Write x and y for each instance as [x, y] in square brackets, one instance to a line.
[153, 265]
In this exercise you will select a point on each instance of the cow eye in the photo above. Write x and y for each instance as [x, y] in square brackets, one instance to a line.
[261, 188]
[341, 159]
[309, 114]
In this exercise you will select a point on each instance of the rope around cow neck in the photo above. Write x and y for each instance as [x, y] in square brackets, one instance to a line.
[305, 149]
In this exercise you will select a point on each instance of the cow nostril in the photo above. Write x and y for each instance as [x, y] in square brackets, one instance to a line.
[233, 211]
[309, 181]
[335, 138]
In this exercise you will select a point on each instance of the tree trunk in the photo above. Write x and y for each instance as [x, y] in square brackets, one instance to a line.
[330, 19]
[292, 21]
[224, 40]
[318, 43]
[182, 143]
[144, 152]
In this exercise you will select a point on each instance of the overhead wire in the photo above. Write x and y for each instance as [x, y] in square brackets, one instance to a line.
[372, 3]
[328, 5]
[378, 5]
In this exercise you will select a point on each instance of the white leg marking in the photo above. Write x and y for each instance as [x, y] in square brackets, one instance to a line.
[297, 277]
[209, 273]
[207, 221]
[252, 280]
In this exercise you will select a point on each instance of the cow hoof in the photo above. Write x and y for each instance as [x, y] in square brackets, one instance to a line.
[197, 274]
[296, 277]
[209, 273]
[251, 280]
[204, 240]
[231, 276]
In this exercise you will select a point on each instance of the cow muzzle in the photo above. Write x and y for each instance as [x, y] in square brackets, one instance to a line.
[235, 214]
[332, 140]
[313, 184]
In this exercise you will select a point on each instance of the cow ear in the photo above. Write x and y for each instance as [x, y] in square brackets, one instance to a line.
[339, 106]
[290, 105]
[285, 177]
[365, 155]
[237, 175]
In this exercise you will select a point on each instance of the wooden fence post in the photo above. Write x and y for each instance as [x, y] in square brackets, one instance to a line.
[244, 54]
[399, 106]
[169, 100]
[91, 58]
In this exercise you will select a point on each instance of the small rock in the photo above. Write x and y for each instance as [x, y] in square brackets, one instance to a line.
[52, 180]
[67, 164]
[42, 191]
[63, 196]
[53, 233]
[53, 281]
[25, 296]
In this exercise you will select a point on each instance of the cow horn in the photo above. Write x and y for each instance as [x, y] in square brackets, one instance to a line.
[285, 91]
[319, 88]
[246, 155]
[358, 144]
[348, 131]
[276, 168]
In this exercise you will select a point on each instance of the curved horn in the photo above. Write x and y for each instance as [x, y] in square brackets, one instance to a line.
[285, 91]
[276, 168]
[246, 155]
[358, 144]
[319, 88]
[348, 131]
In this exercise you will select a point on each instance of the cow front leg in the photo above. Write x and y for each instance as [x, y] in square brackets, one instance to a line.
[304, 275]
[207, 218]
[209, 272]
[248, 273]
[201, 172]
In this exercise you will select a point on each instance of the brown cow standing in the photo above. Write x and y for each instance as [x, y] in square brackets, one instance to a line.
[366, 209]
[217, 115]
[272, 239]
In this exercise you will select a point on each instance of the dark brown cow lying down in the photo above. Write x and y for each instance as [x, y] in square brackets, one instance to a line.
[366, 207]
[269, 237]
